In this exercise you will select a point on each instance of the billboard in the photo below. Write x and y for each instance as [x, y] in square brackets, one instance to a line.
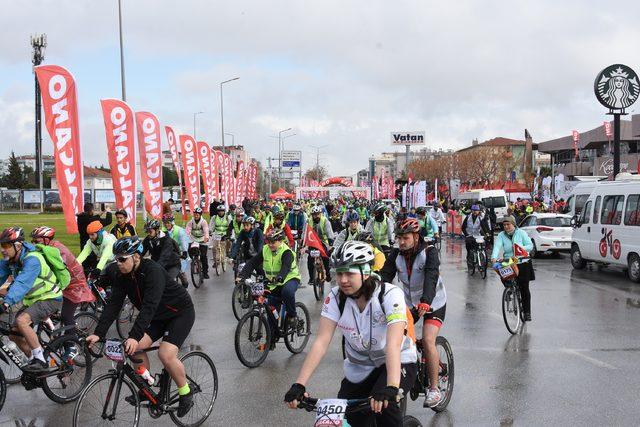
[408, 138]
[291, 159]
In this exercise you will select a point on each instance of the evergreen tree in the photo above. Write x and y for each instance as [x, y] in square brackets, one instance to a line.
[14, 179]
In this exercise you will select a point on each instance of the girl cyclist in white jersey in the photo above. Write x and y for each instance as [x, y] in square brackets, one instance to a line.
[380, 357]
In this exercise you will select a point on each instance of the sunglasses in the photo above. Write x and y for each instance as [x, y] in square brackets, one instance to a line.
[122, 259]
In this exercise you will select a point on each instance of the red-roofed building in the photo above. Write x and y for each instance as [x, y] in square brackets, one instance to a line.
[94, 179]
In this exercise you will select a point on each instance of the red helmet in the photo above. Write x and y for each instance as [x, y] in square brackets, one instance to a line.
[409, 225]
[12, 235]
[43, 232]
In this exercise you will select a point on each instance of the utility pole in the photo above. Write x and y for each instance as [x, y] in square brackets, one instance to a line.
[39, 43]
[124, 91]
[318, 148]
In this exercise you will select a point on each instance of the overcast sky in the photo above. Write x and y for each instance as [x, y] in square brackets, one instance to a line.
[342, 74]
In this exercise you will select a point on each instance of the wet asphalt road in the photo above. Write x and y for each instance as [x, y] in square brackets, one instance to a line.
[577, 363]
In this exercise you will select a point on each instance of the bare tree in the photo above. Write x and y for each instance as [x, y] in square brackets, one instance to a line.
[318, 173]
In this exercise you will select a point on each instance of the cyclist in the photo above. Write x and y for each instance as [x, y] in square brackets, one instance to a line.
[322, 228]
[437, 214]
[380, 357]
[162, 248]
[219, 225]
[100, 244]
[198, 231]
[278, 223]
[250, 240]
[235, 225]
[378, 256]
[232, 209]
[381, 226]
[35, 285]
[279, 264]
[335, 218]
[363, 212]
[473, 226]
[123, 227]
[77, 291]
[428, 225]
[165, 311]
[506, 243]
[417, 265]
[351, 232]
[296, 220]
[179, 236]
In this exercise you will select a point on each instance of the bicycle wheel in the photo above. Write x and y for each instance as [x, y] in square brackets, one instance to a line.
[471, 268]
[318, 284]
[511, 309]
[69, 381]
[520, 305]
[446, 373]
[196, 272]
[85, 324]
[409, 421]
[203, 382]
[106, 394]
[241, 300]
[3, 389]
[482, 264]
[216, 262]
[297, 335]
[252, 339]
[126, 319]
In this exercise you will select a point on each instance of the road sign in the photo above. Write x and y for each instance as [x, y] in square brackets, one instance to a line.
[291, 159]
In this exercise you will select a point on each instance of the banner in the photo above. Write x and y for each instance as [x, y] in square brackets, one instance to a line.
[240, 182]
[220, 165]
[60, 104]
[150, 162]
[120, 134]
[190, 170]
[228, 179]
[175, 156]
[204, 161]
[253, 181]
[214, 174]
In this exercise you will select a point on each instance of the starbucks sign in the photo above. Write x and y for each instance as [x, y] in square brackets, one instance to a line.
[617, 87]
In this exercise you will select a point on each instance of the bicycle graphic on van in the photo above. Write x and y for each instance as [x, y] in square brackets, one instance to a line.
[607, 242]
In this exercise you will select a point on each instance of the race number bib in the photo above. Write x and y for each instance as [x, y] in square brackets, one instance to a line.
[314, 253]
[506, 272]
[113, 350]
[330, 412]
[257, 289]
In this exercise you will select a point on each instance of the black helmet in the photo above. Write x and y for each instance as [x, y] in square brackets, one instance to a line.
[122, 212]
[152, 224]
[365, 236]
[197, 210]
[421, 210]
[380, 208]
[127, 246]
[220, 208]
[12, 235]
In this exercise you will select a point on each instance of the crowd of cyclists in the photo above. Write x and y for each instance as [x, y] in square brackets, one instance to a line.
[367, 244]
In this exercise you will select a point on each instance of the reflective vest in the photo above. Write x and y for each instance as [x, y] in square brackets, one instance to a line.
[237, 227]
[175, 234]
[197, 230]
[272, 264]
[220, 224]
[412, 282]
[120, 233]
[380, 230]
[321, 230]
[45, 286]
[107, 241]
[362, 212]
[353, 236]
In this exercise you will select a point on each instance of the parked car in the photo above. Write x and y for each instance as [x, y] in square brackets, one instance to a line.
[607, 231]
[550, 232]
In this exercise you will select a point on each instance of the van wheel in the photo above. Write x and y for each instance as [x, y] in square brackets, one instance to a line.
[634, 268]
[577, 261]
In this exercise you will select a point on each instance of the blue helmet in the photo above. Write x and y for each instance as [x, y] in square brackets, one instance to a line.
[127, 246]
[475, 208]
[353, 216]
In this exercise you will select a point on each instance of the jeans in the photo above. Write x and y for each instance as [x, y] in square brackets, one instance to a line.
[287, 295]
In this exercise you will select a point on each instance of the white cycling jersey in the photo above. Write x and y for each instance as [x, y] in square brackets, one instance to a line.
[366, 335]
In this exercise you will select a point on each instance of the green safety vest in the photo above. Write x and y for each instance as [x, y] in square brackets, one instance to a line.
[174, 233]
[380, 232]
[350, 236]
[321, 231]
[272, 264]
[426, 224]
[237, 228]
[362, 212]
[221, 224]
[45, 286]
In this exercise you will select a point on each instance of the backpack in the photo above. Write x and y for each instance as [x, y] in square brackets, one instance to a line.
[54, 260]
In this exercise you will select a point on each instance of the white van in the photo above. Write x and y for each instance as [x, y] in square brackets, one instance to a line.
[578, 197]
[607, 230]
[496, 199]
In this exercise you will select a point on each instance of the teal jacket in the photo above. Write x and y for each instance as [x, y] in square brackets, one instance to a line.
[504, 244]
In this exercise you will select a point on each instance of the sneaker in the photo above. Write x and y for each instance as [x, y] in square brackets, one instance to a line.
[131, 400]
[205, 275]
[432, 399]
[185, 403]
[36, 365]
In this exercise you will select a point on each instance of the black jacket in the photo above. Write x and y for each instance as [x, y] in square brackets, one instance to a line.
[150, 290]
[431, 269]
[163, 250]
[84, 219]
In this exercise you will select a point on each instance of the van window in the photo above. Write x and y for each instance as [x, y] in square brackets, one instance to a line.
[494, 202]
[596, 210]
[612, 210]
[586, 213]
[581, 199]
[632, 211]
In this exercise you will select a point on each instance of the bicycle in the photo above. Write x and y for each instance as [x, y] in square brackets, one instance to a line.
[479, 258]
[219, 253]
[241, 299]
[61, 382]
[445, 373]
[512, 312]
[331, 412]
[197, 277]
[127, 313]
[103, 400]
[257, 327]
[319, 275]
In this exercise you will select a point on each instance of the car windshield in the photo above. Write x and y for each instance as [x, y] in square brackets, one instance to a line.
[494, 202]
[555, 222]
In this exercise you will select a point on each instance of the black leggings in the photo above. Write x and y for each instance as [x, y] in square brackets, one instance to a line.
[377, 380]
[523, 284]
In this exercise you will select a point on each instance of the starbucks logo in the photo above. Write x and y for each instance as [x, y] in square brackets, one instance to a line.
[617, 87]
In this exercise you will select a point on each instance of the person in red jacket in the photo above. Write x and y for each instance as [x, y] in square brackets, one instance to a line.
[77, 291]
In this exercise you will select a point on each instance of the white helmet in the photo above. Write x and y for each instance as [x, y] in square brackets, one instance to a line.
[316, 209]
[351, 254]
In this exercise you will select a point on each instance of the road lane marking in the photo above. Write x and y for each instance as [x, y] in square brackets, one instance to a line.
[589, 359]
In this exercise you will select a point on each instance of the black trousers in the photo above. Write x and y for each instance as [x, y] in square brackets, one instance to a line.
[204, 258]
[377, 380]
[525, 275]
[470, 244]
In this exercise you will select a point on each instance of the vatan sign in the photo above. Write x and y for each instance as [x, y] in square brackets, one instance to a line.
[291, 159]
[407, 138]
[617, 87]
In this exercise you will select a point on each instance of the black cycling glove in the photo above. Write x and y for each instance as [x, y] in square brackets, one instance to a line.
[389, 393]
[296, 392]
[184, 255]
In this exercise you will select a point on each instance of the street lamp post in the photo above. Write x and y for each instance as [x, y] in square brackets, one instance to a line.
[194, 124]
[124, 92]
[222, 110]
[39, 43]
[280, 154]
